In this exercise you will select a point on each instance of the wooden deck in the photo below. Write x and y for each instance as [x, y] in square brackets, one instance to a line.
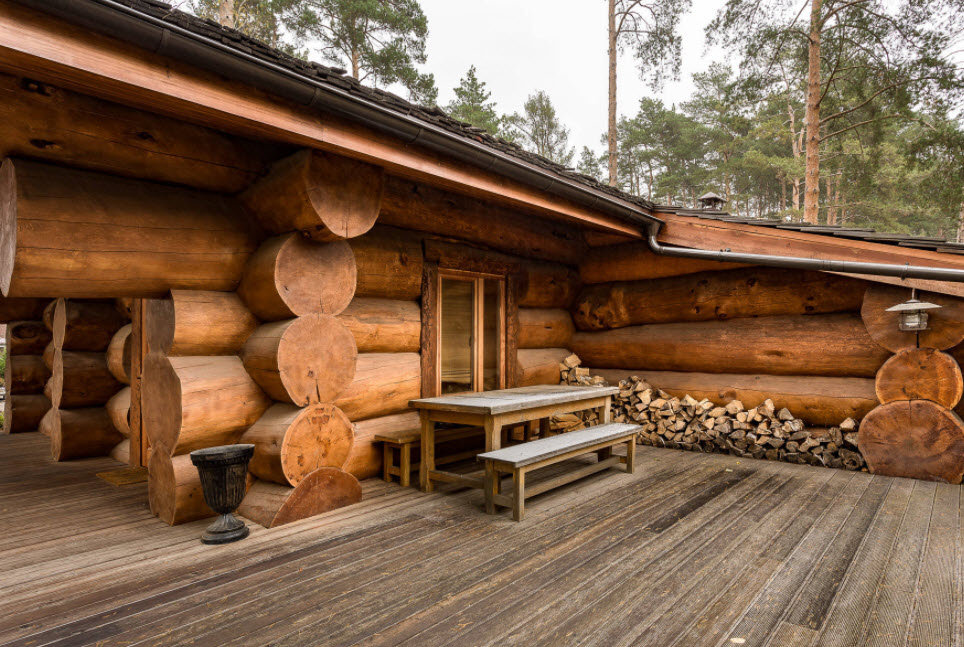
[691, 550]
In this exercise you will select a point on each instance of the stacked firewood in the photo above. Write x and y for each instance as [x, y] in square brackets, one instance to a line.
[701, 425]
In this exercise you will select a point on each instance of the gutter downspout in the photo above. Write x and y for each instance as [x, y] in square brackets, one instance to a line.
[802, 263]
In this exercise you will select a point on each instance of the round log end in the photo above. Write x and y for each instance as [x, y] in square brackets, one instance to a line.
[945, 327]
[119, 355]
[914, 439]
[920, 374]
[8, 223]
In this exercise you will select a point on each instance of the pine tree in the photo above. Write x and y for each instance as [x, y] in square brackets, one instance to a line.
[472, 105]
[539, 130]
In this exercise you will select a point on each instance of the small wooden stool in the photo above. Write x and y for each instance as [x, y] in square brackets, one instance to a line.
[404, 441]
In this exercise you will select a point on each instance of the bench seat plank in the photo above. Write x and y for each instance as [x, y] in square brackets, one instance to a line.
[538, 450]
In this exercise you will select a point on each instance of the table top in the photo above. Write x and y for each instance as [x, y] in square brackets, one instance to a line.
[509, 400]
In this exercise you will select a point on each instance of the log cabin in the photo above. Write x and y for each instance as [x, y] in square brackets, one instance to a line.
[204, 241]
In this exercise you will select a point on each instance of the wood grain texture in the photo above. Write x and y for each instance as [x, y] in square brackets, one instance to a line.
[290, 442]
[548, 285]
[914, 438]
[25, 374]
[539, 365]
[389, 264]
[174, 489]
[191, 322]
[27, 337]
[83, 433]
[119, 355]
[636, 262]
[365, 459]
[384, 325]
[87, 325]
[308, 359]
[920, 374]
[325, 489]
[21, 309]
[384, 383]
[84, 380]
[86, 235]
[119, 409]
[834, 345]
[23, 413]
[945, 326]
[289, 276]
[544, 328]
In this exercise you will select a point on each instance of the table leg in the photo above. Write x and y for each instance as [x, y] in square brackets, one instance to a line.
[428, 452]
[493, 434]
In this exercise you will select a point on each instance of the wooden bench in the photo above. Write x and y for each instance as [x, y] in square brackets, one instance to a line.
[518, 460]
[405, 440]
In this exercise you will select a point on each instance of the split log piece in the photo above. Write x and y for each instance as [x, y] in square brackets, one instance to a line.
[325, 489]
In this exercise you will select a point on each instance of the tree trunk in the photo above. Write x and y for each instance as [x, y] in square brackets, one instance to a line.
[811, 197]
[960, 224]
[226, 14]
[80, 379]
[83, 325]
[613, 55]
[193, 322]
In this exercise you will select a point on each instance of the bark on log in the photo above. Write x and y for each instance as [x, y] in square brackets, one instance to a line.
[83, 325]
[637, 262]
[384, 325]
[325, 196]
[384, 384]
[290, 276]
[706, 296]
[539, 365]
[945, 326]
[83, 433]
[820, 401]
[86, 380]
[290, 443]
[389, 264]
[308, 359]
[914, 439]
[427, 209]
[920, 374]
[365, 459]
[544, 328]
[197, 323]
[119, 409]
[27, 338]
[829, 345]
[25, 374]
[549, 285]
[174, 489]
[14, 309]
[23, 413]
[193, 402]
[119, 355]
[325, 489]
[122, 451]
[87, 235]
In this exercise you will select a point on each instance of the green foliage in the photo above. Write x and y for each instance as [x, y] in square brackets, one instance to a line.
[261, 19]
[539, 130]
[651, 30]
[590, 164]
[472, 105]
[3, 364]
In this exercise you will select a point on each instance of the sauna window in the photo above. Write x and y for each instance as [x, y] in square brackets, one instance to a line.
[472, 332]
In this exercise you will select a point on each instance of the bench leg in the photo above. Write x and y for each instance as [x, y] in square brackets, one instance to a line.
[387, 463]
[631, 456]
[405, 465]
[491, 487]
[428, 452]
[518, 494]
[604, 453]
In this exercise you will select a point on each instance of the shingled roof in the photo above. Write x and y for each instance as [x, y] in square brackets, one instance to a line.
[337, 78]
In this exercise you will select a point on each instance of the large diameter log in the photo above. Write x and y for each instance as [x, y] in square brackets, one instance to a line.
[325, 489]
[21, 309]
[384, 384]
[119, 409]
[539, 365]
[79, 234]
[915, 439]
[83, 433]
[83, 325]
[544, 328]
[203, 322]
[22, 413]
[383, 325]
[820, 401]
[945, 325]
[548, 285]
[308, 359]
[25, 374]
[27, 337]
[705, 296]
[290, 442]
[920, 374]
[636, 262]
[325, 196]
[193, 402]
[422, 208]
[174, 489]
[49, 422]
[122, 451]
[290, 276]
[829, 345]
[389, 264]
[365, 459]
[119, 355]
[86, 380]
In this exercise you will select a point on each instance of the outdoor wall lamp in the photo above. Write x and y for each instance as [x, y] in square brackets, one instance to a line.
[912, 314]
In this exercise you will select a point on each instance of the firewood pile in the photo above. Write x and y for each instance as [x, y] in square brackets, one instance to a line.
[700, 425]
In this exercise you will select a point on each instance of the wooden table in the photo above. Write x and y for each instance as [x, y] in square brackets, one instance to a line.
[493, 410]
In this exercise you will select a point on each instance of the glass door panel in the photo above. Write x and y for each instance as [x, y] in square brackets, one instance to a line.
[457, 332]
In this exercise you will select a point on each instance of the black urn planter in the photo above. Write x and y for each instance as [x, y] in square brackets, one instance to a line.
[224, 472]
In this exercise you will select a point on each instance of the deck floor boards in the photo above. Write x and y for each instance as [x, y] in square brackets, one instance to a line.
[692, 549]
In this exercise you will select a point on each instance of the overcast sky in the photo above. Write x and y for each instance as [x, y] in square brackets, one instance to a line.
[519, 46]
